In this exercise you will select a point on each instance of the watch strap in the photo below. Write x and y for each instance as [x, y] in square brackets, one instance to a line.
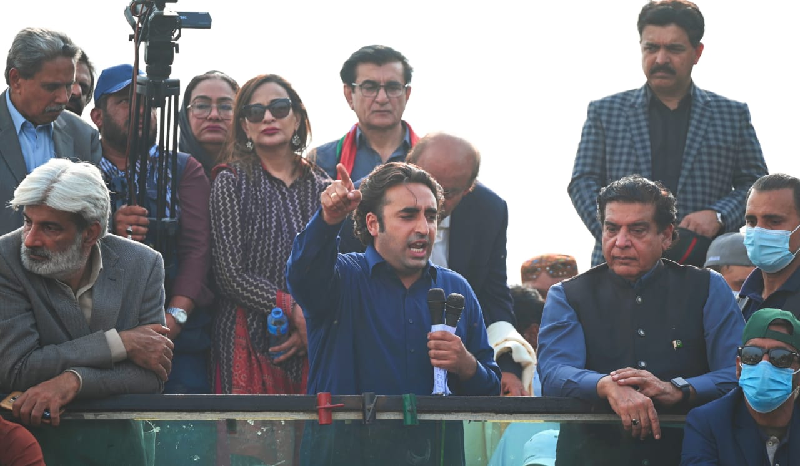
[685, 388]
[180, 315]
[687, 393]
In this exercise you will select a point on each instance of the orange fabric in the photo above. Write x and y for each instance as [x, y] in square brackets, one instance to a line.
[18, 447]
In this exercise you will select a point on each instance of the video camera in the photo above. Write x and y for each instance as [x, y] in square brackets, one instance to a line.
[159, 29]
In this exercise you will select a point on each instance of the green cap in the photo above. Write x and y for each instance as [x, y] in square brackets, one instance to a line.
[757, 327]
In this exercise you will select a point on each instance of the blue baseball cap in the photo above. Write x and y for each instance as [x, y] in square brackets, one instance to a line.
[113, 79]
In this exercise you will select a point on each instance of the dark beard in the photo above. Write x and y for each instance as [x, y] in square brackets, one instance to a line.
[117, 137]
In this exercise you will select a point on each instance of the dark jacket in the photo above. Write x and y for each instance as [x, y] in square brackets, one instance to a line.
[723, 432]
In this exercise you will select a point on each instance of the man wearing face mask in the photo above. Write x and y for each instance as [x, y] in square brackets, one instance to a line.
[755, 423]
[772, 239]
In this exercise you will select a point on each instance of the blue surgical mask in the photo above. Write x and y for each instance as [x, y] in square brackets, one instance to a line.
[765, 386]
[769, 249]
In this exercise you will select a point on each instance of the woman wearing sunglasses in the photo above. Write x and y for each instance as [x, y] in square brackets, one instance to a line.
[757, 423]
[263, 194]
[261, 197]
[206, 115]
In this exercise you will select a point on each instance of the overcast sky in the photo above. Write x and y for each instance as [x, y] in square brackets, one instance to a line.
[512, 77]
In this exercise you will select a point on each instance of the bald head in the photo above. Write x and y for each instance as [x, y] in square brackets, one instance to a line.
[452, 161]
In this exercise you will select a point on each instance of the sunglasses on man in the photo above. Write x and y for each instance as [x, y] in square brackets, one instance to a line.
[778, 357]
[278, 108]
[560, 268]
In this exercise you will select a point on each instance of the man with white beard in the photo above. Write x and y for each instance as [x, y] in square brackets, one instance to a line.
[82, 312]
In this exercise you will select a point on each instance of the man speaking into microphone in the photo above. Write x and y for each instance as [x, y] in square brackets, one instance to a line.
[367, 314]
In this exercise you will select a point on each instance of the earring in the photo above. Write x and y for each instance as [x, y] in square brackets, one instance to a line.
[249, 144]
[295, 140]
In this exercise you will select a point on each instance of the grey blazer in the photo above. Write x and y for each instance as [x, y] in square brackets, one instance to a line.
[43, 331]
[73, 138]
[721, 160]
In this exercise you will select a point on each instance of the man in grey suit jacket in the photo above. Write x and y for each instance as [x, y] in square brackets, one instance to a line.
[34, 127]
[82, 313]
[700, 145]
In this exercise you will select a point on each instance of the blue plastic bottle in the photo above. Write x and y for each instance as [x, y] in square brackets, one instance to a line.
[278, 329]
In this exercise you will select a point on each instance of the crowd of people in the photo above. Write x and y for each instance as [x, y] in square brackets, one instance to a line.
[346, 243]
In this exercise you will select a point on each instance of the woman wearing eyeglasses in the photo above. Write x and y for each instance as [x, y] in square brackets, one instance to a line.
[206, 115]
[261, 197]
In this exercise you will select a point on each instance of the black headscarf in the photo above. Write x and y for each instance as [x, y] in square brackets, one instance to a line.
[187, 142]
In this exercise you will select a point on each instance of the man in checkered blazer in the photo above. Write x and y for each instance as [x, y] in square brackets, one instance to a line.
[700, 145]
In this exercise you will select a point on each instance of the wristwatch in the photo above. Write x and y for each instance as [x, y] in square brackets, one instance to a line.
[719, 219]
[685, 387]
[179, 314]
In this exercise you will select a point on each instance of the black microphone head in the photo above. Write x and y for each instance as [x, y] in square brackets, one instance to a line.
[436, 304]
[436, 295]
[453, 308]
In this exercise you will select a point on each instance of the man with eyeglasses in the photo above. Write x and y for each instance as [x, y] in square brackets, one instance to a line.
[377, 85]
[187, 259]
[772, 239]
[637, 334]
[755, 423]
[700, 145]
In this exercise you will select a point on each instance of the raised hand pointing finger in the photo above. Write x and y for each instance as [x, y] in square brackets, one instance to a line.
[344, 177]
[340, 198]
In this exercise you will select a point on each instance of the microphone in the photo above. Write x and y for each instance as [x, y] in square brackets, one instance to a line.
[436, 305]
[453, 308]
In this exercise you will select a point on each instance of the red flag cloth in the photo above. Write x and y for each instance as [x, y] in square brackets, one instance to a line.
[346, 149]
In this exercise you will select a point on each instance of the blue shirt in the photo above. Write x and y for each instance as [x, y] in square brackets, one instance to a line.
[36, 142]
[562, 348]
[753, 287]
[366, 157]
[366, 331]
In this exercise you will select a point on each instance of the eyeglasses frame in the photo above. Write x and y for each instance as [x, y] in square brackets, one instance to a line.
[360, 87]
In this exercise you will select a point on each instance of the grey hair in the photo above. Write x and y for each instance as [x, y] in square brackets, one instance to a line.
[75, 187]
[32, 47]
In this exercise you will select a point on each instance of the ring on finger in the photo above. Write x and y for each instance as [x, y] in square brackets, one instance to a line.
[333, 194]
[635, 422]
